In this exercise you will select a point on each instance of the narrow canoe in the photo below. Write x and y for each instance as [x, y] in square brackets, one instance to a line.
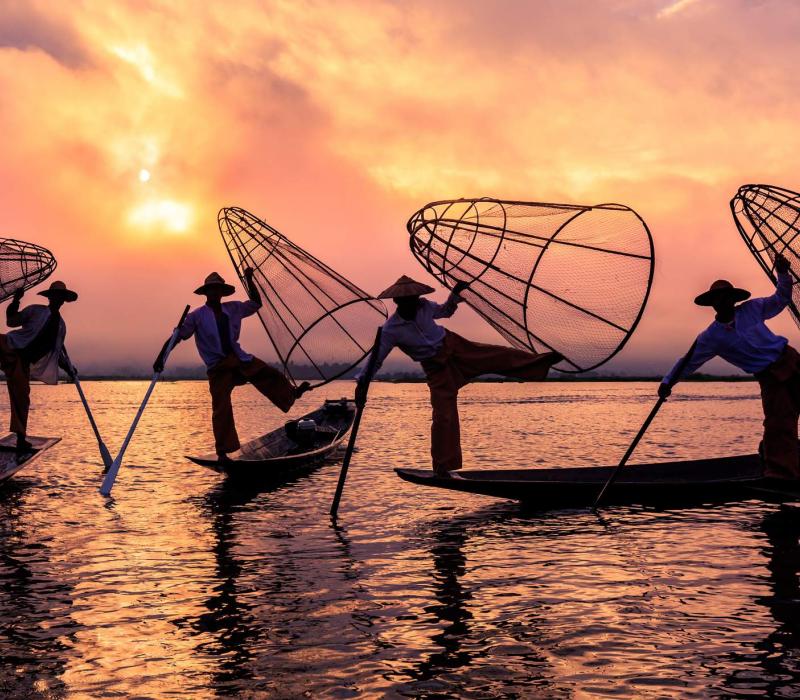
[718, 479]
[10, 463]
[277, 456]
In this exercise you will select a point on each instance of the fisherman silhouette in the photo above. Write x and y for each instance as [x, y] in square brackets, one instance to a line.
[216, 327]
[449, 361]
[35, 351]
[740, 336]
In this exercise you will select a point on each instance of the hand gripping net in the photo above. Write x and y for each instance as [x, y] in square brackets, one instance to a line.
[574, 279]
[320, 324]
[22, 266]
[768, 219]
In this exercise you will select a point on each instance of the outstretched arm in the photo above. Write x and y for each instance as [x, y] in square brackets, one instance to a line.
[66, 364]
[771, 306]
[252, 290]
[704, 350]
[447, 309]
[13, 315]
[185, 332]
[386, 346]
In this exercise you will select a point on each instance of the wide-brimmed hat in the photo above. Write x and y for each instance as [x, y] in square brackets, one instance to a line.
[720, 290]
[214, 280]
[59, 290]
[405, 287]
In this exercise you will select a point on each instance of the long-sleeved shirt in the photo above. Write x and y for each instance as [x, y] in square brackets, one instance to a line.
[202, 324]
[745, 342]
[420, 338]
[31, 321]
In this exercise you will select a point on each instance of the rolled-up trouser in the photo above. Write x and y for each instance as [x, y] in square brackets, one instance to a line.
[18, 382]
[780, 397]
[232, 372]
[458, 362]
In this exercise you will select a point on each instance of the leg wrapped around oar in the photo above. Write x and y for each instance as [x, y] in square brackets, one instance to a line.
[458, 361]
[222, 379]
[780, 397]
[18, 382]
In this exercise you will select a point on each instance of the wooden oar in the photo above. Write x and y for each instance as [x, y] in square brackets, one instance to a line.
[111, 475]
[643, 429]
[373, 358]
[104, 453]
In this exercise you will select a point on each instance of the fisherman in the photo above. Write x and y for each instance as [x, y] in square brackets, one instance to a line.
[740, 336]
[449, 361]
[216, 327]
[35, 351]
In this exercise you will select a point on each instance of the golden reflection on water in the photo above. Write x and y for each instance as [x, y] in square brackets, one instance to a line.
[185, 585]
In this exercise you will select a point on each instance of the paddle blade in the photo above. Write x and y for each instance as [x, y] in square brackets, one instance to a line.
[320, 324]
[22, 266]
[768, 219]
[574, 279]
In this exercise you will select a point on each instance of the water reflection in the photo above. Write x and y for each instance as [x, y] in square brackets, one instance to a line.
[36, 631]
[778, 654]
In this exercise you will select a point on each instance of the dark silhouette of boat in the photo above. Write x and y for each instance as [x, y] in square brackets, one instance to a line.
[298, 446]
[716, 479]
[11, 462]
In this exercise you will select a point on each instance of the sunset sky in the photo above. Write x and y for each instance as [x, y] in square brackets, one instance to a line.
[127, 125]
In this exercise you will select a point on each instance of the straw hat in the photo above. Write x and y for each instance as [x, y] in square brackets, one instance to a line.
[59, 290]
[719, 290]
[214, 280]
[405, 287]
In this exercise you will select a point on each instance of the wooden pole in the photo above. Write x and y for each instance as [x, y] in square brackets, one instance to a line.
[360, 404]
[643, 429]
[111, 474]
[104, 453]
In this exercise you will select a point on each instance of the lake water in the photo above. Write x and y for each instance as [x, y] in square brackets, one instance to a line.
[184, 586]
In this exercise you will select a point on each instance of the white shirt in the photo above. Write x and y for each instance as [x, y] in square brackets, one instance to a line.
[745, 342]
[31, 320]
[420, 338]
[202, 323]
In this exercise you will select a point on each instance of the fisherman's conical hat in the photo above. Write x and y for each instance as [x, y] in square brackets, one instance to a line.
[405, 287]
[214, 280]
[719, 290]
[59, 290]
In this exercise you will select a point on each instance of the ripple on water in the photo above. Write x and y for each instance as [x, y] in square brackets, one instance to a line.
[186, 585]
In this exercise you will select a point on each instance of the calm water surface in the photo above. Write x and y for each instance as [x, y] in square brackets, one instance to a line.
[184, 586]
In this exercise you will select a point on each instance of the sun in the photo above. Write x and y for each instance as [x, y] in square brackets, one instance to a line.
[144, 175]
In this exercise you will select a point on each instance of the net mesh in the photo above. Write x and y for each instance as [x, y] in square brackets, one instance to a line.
[568, 278]
[320, 324]
[22, 266]
[768, 219]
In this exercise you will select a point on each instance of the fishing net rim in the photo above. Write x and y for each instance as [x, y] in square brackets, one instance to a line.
[579, 209]
[363, 296]
[31, 280]
[381, 309]
[749, 240]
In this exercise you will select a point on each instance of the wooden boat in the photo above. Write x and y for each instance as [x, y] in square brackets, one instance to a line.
[289, 450]
[718, 479]
[11, 463]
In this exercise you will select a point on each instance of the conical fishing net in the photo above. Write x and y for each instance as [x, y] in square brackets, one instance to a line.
[768, 219]
[320, 324]
[22, 266]
[561, 277]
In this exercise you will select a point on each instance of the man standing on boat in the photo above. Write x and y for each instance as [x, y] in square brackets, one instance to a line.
[740, 336]
[216, 327]
[449, 361]
[34, 351]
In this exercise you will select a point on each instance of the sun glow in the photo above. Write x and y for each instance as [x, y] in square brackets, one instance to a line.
[175, 217]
